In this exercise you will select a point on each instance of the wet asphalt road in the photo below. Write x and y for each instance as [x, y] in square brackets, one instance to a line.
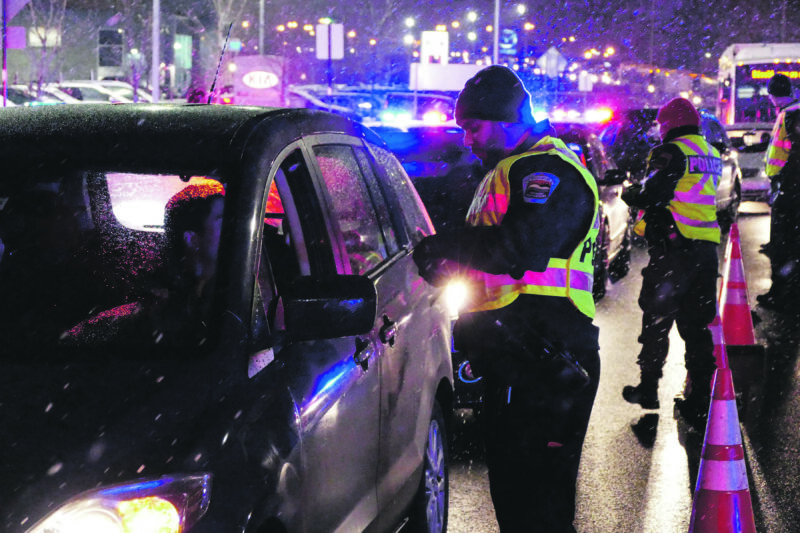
[639, 468]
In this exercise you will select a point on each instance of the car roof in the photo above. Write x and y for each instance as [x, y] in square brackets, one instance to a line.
[202, 138]
[745, 126]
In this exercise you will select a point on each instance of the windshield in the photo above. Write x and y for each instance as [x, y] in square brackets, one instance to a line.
[108, 260]
[752, 100]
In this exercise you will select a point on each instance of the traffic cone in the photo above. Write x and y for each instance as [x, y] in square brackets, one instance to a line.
[722, 501]
[737, 322]
[718, 335]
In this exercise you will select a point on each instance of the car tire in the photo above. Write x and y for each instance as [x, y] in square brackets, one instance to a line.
[621, 265]
[430, 506]
[600, 262]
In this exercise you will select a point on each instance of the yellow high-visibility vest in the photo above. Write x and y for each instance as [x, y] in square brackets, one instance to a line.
[693, 205]
[779, 143]
[570, 278]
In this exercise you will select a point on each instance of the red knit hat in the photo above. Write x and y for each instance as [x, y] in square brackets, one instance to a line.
[676, 113]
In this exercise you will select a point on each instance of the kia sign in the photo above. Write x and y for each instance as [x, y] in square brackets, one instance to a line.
[260, 79]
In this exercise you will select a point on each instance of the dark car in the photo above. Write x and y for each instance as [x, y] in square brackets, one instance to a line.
[632, 133]
[314, 394]
[446, 174]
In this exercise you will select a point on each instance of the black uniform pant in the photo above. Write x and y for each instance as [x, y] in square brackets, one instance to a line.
[785, 246]
[533, 451]
[534, 422]
[679, 286]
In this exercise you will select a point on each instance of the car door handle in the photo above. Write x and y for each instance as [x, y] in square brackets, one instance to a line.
[363, 354]
[388, 331]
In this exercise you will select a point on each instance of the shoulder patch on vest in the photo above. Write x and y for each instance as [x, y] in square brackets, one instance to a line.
[537, 187]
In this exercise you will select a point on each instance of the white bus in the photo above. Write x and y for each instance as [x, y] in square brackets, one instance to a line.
[745, 70]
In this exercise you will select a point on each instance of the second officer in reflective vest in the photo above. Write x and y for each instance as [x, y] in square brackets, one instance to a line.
[679, 283]
[526, 253]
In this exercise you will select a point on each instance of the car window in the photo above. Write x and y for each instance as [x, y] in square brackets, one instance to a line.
[353, 207]
[411, 215]
[715, 133]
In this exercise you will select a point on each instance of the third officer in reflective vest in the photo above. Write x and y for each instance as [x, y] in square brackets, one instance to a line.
[679, 283]
[526, 252]
[783, 170]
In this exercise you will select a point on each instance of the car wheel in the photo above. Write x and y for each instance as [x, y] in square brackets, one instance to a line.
[429, 509]
[600, 262]
[621, 265]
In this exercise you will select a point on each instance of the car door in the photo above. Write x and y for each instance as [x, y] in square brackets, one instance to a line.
[727, 195]
[379, 219]
[335, 383]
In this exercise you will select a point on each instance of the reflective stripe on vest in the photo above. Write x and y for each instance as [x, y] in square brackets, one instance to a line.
[693, 205]
[570, 278]
[779, 143]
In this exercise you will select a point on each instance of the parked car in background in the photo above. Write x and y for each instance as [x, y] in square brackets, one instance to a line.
[24, 95]
[314, 394]
[751, 141]
[401, 107]
[89, 91]
[632, 133]
[126, 91]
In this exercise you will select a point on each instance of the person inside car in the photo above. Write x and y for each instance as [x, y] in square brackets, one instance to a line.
[45, 242]
[177, 310]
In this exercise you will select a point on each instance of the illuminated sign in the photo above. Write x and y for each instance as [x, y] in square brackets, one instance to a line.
[260, 79]
[758, 74]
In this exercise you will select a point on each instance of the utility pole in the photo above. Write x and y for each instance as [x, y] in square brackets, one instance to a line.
[496, 33]
[155, 67]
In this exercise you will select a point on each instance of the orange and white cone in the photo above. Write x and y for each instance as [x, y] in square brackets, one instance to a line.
[718, 336]
[737, 322]
[722, 501]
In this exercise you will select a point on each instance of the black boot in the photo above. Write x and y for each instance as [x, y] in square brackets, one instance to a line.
[694, 410]
[645, 394]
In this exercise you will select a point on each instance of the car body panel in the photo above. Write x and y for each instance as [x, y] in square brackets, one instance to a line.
[751, 141]
[279, 419]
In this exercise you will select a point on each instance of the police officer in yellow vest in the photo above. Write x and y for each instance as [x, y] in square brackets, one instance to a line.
[679, 283]
[783, 171]
[526, 252]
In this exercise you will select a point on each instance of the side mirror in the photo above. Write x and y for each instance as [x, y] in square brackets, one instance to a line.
[721, 147]
[337, 306]
[615, 176]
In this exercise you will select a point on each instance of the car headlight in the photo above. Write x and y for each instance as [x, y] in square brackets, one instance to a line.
[169, 504]
[455, 296]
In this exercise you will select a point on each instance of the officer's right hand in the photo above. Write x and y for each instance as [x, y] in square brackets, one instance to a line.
[630, 193]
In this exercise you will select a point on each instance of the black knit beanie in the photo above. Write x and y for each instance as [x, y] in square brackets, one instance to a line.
[496, 94]
[779, 85]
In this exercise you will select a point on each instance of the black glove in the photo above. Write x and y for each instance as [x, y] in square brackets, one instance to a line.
[631, 194]
[431, 266]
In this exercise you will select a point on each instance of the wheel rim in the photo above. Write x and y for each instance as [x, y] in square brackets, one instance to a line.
[435, 479]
